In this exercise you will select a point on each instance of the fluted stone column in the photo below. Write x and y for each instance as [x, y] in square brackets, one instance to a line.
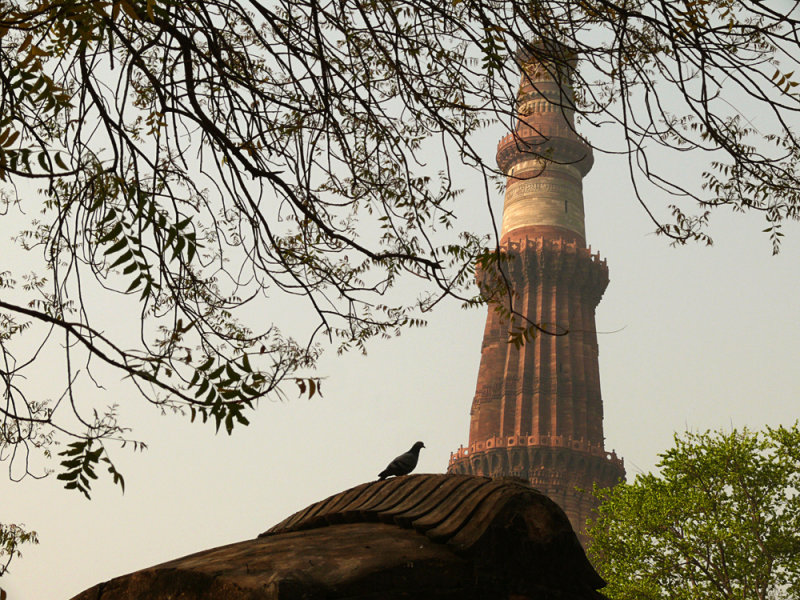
[538, 412]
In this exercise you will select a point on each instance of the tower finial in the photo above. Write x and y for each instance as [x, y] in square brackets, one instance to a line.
[544, 158]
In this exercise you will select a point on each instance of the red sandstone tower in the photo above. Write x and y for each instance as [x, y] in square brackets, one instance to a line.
[538, 412]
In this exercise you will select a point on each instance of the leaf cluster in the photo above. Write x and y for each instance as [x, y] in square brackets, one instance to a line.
[79, 464]
[721, 519]
[11, 538]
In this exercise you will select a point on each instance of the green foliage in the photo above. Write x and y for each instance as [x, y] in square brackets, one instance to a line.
[11, 538]
[224, 390]
[79, 464]
[720, 520]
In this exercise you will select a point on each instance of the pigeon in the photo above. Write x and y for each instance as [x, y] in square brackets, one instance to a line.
[403, 464]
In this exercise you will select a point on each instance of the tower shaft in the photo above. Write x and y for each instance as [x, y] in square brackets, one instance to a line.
[537, 412]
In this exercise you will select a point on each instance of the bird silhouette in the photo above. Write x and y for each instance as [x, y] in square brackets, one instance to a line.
[403, 464]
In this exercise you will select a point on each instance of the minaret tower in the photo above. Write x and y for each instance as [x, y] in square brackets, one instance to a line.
[538, 412]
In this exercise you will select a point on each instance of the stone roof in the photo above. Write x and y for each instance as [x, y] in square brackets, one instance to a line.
[418, 536]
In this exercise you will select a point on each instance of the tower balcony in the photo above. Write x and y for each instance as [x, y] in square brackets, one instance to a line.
[540, 441]
[550, 142]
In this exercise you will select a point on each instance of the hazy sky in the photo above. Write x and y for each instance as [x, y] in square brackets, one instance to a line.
[690, 338]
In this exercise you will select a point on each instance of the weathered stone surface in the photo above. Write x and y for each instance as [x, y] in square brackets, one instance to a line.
[344, 561]
[420, 536]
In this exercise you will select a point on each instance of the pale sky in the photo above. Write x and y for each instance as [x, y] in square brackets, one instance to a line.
[690, 338]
